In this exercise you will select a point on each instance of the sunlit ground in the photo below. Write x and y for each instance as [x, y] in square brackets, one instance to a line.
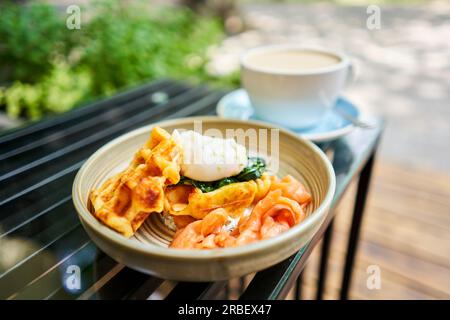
[402, 68]
[403, 75]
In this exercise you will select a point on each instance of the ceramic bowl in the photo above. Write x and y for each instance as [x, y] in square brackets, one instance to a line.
[147, 251]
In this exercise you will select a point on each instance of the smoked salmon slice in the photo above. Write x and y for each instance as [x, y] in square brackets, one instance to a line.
[280, 208]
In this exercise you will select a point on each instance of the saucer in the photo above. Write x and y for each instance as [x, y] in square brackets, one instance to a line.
[237, 105]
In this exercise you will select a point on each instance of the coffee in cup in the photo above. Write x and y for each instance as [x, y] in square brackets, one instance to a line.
[291, 85]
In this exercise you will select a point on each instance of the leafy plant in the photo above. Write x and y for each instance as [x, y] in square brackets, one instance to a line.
[254, 170]
[46, 68]
[128, 44]
[31, 36]
[57, 92]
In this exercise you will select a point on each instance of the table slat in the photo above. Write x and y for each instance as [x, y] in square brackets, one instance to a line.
[51, 124]
[37, 207]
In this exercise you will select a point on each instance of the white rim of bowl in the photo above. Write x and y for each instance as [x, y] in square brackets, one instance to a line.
[195, 254]
[345, 61]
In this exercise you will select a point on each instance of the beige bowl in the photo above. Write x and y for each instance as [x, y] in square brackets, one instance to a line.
[148, 252]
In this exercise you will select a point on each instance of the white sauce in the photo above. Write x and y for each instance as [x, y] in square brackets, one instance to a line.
[208, 159]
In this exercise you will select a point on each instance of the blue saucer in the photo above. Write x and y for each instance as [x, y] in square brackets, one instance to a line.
[237, 105]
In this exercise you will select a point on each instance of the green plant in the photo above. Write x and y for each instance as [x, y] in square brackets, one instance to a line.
[125, 45]
[58, 91]
[31, 36]
[47, 68]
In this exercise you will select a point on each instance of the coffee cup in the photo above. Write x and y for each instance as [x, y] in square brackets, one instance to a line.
[294, 86]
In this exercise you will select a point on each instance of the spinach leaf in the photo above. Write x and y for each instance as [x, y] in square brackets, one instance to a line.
[254, 170]
[205, 186]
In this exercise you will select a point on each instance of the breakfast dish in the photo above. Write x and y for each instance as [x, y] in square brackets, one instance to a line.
[128, 160]
[207, 190]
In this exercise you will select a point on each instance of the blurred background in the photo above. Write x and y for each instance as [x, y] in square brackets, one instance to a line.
[48, 66]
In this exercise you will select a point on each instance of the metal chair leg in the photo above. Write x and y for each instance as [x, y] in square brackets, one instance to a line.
[298, 287]
[241, 285]
[324, 260]
[358, 211]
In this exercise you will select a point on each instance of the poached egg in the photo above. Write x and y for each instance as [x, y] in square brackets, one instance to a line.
[209, 158]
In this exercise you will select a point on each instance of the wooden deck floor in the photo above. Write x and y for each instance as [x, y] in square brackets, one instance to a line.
[405, 233]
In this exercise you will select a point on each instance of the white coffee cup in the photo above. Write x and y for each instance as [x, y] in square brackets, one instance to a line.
[294, 85]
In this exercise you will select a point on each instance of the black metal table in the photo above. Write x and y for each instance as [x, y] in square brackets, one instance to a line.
[41, 238]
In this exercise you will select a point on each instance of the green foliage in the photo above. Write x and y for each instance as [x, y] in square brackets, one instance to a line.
[57, 92]
[30, 38]
[254, 170]
[46, 68]
[127, 44]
